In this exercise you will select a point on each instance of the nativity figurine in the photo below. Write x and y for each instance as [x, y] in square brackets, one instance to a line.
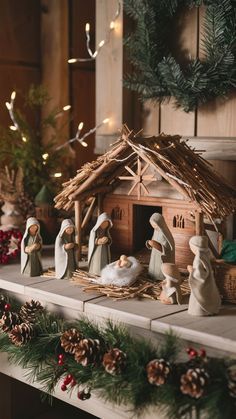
[204, 298]
[171, 291]
[162, 247]
[121, 273]
[31, 246]
[99, 254]
[66, 251]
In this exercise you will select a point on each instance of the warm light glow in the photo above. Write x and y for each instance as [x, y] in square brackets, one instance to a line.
[24, 139]
[101, 43]
[106, 120]
[72, 60]
[80, 126]
[13, 128]
[112, 25]
[45, 156]
[84, 144]
[13, 95]
[87, 27]
[8, 105]
[66, 108]
[58, 174]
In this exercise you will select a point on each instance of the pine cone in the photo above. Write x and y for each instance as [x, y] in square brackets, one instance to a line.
[29, 311]
[21, 334]
[70, 339]
[88, 352]
[157, 371]
[9, 320]
[114, 361]
[232, 380]
[194, 382]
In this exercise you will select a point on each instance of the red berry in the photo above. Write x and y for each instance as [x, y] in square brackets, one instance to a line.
[68, 379]
[73, 382]
[7, 307]
[80, 395]
[188, 350]
[61, 356]
[63, 387]
[60, 362]
[202, 353]
[193, 353]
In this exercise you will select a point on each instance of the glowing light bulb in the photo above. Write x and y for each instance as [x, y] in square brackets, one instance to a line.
[24, 139]
[13, 128]
[72, 60]
[112, 25]
[8, 105]
[58, 174]
[101, 43]
[45, 156]
[66, 108]
[80, 126]
[87, 27]
[106, 120]
[84, 144]
[13, 95]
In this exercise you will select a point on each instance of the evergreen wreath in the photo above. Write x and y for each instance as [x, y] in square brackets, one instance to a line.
[122, 369]
[157, 74]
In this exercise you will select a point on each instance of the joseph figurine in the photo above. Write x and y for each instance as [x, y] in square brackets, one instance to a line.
[162, 247]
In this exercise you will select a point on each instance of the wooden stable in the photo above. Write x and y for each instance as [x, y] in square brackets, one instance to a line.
[138, 177]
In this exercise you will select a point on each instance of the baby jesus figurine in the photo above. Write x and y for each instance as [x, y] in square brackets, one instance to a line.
[123, 262]
[121, 273]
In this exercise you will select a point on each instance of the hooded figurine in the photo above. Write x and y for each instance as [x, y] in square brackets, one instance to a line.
[171, 291]
[99, 244]
[65, 250]
[162, 246]
[205, 298]
[31, 245]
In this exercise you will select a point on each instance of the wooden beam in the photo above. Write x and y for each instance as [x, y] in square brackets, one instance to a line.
[109, 74]
[199, 225]
[89, 213]
[78, 224]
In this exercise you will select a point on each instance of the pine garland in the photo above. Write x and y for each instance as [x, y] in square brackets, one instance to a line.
[122, 369]
[158, 75]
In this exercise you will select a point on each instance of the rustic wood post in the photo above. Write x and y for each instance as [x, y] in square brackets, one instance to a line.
[199, 225]
[78, 223]
[100, 199]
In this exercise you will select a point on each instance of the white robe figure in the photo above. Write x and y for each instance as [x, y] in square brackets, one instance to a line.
[99, 255]
[65, 259]
[163, 236]
[31, 262]
[205, 298]
[121, 276]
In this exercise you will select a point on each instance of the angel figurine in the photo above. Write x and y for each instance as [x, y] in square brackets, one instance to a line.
[66, 250]
[99, 254]
[171, 291]
[204, 298]
[162, 246]
[31, 245]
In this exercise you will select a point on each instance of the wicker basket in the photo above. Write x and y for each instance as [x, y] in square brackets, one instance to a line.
[225, 275]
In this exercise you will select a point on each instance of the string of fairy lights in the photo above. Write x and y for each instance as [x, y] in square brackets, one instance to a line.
[92, 56]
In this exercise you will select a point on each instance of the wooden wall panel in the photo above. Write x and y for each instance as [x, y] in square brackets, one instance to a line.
[20, 31]
[19, 50]
[82, 76]
[176, 121]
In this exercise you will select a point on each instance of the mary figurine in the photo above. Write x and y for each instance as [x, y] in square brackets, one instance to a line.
[66, 251]
[99, 254]
[162, 246]
[31, 245]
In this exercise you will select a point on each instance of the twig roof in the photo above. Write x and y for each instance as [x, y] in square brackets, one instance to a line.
[176, 162]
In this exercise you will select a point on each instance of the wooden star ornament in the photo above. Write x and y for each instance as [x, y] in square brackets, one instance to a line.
[138, 178]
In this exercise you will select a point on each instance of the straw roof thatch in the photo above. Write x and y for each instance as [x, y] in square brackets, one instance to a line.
[172, 158]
